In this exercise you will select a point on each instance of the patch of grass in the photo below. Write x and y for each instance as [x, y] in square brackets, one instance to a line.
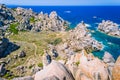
[32, 20]
[40, 65]
[33, 44]
[58, 58]
[13, 28]
[8, 76]
[30, 66]
[77, 63]
[56, 41]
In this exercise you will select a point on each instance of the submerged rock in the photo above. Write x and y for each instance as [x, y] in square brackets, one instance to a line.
[54, 71]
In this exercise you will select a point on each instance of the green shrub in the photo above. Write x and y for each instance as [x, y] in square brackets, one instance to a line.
[40, 65]
[30, 66]
[56, 41]
[77, 63]
[13, 28]
[32, 20]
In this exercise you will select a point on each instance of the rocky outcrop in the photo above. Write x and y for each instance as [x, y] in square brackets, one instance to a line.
[87, 67]
[109, 28]
[116, 70]
[110, 61]
[2, 69]
[78, 39]
[54, 71]
[6, 16]
[31, 21]
[21, 54]
[50, 22]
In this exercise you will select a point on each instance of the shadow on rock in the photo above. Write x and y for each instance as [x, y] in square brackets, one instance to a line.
[7, 47]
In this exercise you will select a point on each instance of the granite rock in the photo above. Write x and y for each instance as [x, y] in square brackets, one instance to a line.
[109, 28]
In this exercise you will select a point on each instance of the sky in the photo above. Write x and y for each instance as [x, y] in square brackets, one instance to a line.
[60, 2]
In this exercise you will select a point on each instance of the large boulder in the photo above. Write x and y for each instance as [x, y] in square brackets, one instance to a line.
[116, 70]
[2, 69]
[87, 67]
[108, 58]
[110, 61]
[54, 71]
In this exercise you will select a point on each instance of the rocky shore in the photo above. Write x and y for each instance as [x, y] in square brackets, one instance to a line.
[36, 46]
[109, 28]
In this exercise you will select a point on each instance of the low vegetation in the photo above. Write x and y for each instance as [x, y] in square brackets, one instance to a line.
[40, 65]
[13, 28]
[33, 44]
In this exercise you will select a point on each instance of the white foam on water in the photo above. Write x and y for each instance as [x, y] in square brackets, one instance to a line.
[87, 25]
[67, 11]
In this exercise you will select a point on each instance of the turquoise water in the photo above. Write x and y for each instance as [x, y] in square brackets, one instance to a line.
[75, 14]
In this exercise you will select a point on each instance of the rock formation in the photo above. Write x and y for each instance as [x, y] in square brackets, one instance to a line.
[78, 39]
[109, 28]
[6, 16]
[110, 61]
[116, 70]
[54, 71]
[87, 67]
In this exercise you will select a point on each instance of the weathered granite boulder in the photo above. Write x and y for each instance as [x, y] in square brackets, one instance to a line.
[21, 54]
[110, 61]
[46, 59]
[6, 16]
[109, 28]
[54, 71]
[116, 70]
[2, 69]
[108, 58]
[87, 67]
[49, 22]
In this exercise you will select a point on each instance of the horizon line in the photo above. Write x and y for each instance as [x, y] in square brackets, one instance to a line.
[53, 5]
[59, 5]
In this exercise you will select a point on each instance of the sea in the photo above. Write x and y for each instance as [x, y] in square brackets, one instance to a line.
[92, 16]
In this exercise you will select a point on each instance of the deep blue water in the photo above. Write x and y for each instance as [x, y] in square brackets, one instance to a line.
[75, 14]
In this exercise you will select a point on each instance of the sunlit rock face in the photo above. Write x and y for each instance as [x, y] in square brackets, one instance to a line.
[116, 70]
[109, 28]
[51, 22]
[54, 70]
[87, 67]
